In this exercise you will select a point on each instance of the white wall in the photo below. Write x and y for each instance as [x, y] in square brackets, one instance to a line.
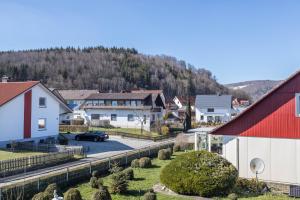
[281, 158]
[224, 113]
[122, 117]
[50, 113]
[12, 119]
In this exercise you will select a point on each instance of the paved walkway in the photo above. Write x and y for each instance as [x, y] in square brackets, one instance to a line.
[94, 155]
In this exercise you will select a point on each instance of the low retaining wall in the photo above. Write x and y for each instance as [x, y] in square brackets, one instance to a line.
[25, 188]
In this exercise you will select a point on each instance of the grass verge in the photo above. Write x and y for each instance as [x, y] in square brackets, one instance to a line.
[6, 155]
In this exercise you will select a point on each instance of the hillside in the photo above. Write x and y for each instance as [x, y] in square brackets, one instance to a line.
[108, 69]
[256, 89]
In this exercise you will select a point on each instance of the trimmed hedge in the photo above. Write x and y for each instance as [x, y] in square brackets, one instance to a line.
[145, 162]
[199, 173]
[150, 195]
[248, 186]
[129, 174]
[135, 163]
[72, 194]
[164, 154]
[40, 196]
[118, 184]
[73, 128]
[101, 194]
[94, 182]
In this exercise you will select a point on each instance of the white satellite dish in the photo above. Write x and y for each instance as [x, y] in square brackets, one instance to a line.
[257, 166]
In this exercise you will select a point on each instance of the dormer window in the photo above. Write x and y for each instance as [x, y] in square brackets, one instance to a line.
[42, 102]
[210, 110]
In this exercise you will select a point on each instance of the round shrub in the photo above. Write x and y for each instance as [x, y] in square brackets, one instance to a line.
[176, 148]
[49, 191]
[246, 186]
[170, 150]
[101, 194]
[129, 174]
[145, 162]
[150, 196]
[118, 184]
[199, 173]
[135, 163]
[39, 196]
[232, 196]
[163, 154]
[94, 182]
[99, 182]
[72, 194]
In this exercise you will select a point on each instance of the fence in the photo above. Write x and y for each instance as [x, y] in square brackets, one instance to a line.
[25, 164]
[25, 188]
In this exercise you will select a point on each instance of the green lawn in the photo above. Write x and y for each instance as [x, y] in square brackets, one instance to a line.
[5, 155]
[146, 178]
[133, 131]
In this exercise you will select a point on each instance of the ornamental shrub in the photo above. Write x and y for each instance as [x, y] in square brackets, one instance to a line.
[232, 196]
[49, 191]
[135, 163]
[164, 154]
[94, 182]
[129, 174]
[118, 184]
[39, 196]
[165, 130]
[145, 162]
[199, 173]
[150, 195]
[115, 168]
[101, 194]
[95, 173]
[170, 150]
[246, 186]
[176, 148]
[72, 194]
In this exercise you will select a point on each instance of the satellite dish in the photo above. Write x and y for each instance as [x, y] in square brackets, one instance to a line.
[257, 166]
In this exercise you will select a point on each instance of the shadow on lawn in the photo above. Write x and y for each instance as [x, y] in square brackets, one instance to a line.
[139, 179]
[135, 193]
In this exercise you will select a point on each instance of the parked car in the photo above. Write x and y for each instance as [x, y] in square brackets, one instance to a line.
[95, 136]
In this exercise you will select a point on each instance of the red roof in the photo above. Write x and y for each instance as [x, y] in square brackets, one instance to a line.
[273, 116]
[10, 90]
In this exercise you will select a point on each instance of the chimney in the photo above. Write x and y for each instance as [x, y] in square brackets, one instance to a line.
[4, 79]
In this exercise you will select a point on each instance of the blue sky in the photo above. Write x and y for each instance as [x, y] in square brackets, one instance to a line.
[235, 40]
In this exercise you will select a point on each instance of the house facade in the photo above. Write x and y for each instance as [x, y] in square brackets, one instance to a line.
[28, 111]
[75, 99]
[213, 108]
[124, 110]
[268, 133]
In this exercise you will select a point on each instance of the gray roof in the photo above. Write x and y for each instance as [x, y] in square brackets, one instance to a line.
[76, 94]
[119, 96]
[213, 101]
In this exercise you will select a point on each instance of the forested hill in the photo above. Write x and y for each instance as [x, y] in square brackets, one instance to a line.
[107, 69]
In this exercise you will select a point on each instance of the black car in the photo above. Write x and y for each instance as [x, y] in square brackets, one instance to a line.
[95, 136]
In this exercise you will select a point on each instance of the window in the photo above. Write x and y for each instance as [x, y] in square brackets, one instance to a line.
[113, 117]
[133, 103]
[210, 118]
[121, 103]
[108, 102]
[138, 102]
[101, 103]
[114, 103]
[218, 119]
[201, 117]
[130, 118]
[127, 103]
[210, 110]
[297, 104]
[95, 116]
[145, 119]
[42, 124]
[42, 101]
[102, 116]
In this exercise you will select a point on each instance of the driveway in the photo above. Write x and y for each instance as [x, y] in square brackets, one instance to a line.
[114, 145]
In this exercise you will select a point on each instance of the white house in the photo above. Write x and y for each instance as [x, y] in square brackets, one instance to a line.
[28, 111]
[264, 140]
[74, 99]
[125, 110]
[213, 108]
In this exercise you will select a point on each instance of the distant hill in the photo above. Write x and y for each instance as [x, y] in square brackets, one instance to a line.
[109, 69]
[256, 89]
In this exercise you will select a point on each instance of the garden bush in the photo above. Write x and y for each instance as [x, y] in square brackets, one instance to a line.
[101, 194]
[170, 150]
[129, 174]
[49, 191]
[115, 168]
[72, 194]
[232, 196]
[164, 154]
[150, 195]
[145, 162]
[118, 184]
[176, 148]
[199, 173]
[39, 196]
[246, 186]
[135, 163]
[94, 182]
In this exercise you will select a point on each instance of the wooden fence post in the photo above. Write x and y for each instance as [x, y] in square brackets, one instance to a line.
[67, 175]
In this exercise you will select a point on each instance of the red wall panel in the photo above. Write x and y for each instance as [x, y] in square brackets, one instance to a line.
[27, 114]
[274, 116]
